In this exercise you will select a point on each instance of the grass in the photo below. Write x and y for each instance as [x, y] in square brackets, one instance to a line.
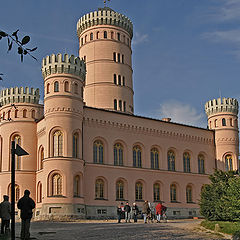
[225, 227]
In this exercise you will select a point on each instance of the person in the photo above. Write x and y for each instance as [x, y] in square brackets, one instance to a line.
[119, 213]
[145, 210]
[135, 211]
[159, 208]
[122, 213]
[150, 216]
[26, 205]
[5, 213]
[127, 210]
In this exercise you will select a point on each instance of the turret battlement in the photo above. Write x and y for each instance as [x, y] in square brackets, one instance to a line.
[63, 64]
[104, 16]
[19, 95]
[221, 105]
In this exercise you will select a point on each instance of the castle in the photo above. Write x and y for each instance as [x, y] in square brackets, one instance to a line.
[88, 151]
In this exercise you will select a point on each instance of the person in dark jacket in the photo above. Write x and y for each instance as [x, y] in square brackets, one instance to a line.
[135, 211]
[5, 214]
[127, 210]
[145, 210]
[119, 213]
[26, 205]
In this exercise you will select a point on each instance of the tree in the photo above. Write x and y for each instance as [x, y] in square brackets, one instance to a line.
[220, 200]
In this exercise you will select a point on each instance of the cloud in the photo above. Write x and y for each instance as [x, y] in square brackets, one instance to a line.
[182, 113]
[139, 38]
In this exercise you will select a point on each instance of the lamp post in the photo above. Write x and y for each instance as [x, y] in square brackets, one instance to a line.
[19, 152]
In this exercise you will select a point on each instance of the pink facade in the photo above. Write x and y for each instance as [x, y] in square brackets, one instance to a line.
[88, 151]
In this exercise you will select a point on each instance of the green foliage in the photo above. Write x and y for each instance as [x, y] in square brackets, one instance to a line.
[220, 200]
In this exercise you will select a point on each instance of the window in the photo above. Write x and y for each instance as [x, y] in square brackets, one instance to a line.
[231, 122]
[186, 162]
[81, 41]
[228, 163]
[223, 122]
[139, 191]
[57, 144]
[112, 35]
[48, 88]
[115, 104]
[91, 36]
[114, 57]
[124, 106]
[75, 145]
[41, 155]
[215, 122]
[120, 105]
[33, 114]
[56, 86]
[16, 113]
[24, 113]
[137, 157]
[66, 86]
[189, 194]
[98, 152]
[120, 190]
[201, 164]
[105, 34]
[17, 140]
[119, 57]
[156, 192]
[85, 38]
[123, 81]
[122, 58]
[76, 186]
[119, 80]
[56, 185]
[118, 154]
[171, 160]
[39, 192]
[118, 36]
[99, 189]
[154, 158]
[115, 78]
[75, 88]
[97, 35]
[173, 193]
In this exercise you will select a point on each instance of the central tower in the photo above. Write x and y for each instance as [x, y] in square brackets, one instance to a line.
[105, 45]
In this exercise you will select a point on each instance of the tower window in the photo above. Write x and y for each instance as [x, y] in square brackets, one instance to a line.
[105, 34]
[114, 57]
[119, 56]
[124, 106]
[91, 36]
[120, 105]
[115, 104]
[115, 79]
[223, 122]
[119, 80]
[112, 36]
[81, 41]
[85, 38]
[56, 86]
[118, 36]
[123, 81]
[122, 58]
[97, 35]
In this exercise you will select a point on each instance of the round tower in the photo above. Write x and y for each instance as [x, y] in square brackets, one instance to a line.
[20, 110]
[105, 45]
[223, 119]
[62, 164]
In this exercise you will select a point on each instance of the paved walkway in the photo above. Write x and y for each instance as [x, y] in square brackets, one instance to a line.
[89, 230]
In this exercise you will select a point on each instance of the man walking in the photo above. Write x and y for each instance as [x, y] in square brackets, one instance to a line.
[26, 205]
[5, 213]
[127, 210]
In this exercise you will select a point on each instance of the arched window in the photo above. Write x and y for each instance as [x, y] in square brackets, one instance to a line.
[120, 190]
[156, 192]
[124, 106]
[85, 38]
[123, 81]
[56, 185]
[16, 113]
[118, 36]
[17, 140]
[215, 122]
[228, 163]
[75, 88]
[223, 122]
[171, 160]
[115, 104]
[105, 34]
[154, 158]
[76, 187]
[99, 189]
[137, 157]
[189, 194]
[57, 144]
[24, 113]
[41, 158]
[98, 152]
[231, 122]
[75, 145]
[201, 164]
[118, 154]
[173, 193]
[97, 35]
[119, 80]
[39, 192]
[120, 105]
[139, 191]
[115, 79]
[186, 162]
[48, 88]
[122, 58]
[56, 86]
[66, 86]
[33, 114]
[114, 57]
[91, 36]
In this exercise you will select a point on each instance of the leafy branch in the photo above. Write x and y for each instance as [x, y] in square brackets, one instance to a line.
[22, 49]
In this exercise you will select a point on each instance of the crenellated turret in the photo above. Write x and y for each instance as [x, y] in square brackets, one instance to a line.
[223, 119]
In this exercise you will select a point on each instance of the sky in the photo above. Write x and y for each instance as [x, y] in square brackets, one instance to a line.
[185, 52]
